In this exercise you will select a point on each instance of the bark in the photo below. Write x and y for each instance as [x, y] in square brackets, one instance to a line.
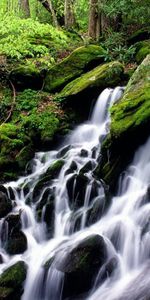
[69, 14]
[94, 20]
[24, 4]
[49, 7]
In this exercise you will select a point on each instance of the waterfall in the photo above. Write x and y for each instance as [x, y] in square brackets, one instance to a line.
[55, 202]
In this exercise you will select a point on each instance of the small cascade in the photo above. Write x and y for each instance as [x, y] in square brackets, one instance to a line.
[59, 210]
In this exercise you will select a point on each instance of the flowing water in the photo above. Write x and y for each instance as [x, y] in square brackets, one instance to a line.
[73, 192]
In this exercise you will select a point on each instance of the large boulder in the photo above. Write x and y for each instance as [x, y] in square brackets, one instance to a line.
[79, 61]
[17, 242]
[24, 77]
[79, 93]
[129, 126]
[11, 281]
[139, 35]
[81, 265]
[142, 50]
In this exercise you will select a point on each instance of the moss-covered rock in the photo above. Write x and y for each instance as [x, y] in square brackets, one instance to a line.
[81, 265]
[80, 93]
[79, 61]
[11, 281]
[130, 123]
[142, 50]
[139, 35]
[106, 75]
[24, 77]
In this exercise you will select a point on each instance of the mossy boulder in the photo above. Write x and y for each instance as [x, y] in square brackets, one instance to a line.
[139, 35]
[142, 50]
[79, 93]
[12, 153]
[11, 281]
[130, 124]
[78, 62]
[24, 77]
[81, 265]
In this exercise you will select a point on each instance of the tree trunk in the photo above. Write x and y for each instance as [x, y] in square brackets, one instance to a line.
[94, 20]
[69, 14]
[25, 8]
[49, 7]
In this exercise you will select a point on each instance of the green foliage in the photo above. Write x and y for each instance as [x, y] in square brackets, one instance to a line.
[20, 38]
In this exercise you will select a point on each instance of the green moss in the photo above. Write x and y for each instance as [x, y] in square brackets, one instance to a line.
[143, 49]
[26, 77]
[6, 293]
[73, 66]
[139, 35]
[14, 276]
[130, 122]
[102, 76]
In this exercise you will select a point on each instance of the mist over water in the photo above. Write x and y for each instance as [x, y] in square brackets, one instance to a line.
[125, 225]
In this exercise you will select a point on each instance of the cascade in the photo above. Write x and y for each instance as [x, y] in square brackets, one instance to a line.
[62, 206]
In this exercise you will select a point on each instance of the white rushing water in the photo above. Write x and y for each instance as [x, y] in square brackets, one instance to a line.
[125, 226]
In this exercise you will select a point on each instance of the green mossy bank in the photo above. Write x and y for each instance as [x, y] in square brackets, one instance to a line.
[79, 61]
[130, 124]
[36, 123]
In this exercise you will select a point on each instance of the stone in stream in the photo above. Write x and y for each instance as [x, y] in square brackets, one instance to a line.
[51, 173]
[96, 211]
[14, 222]
[76, 188]
[5, 204]
[17, 243]
[11, 281]
[72, 168]
[81, 265]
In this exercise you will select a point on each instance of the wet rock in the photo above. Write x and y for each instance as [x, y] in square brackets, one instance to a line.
[12, 280]
[51, 173]
[5, 205]
[81, 265]
[107, 270]
[87, 167]
[11, 193]
[1, 259]
[63, 151]
[49, 217]
[14, 222]
[3, 190]
[96, 211]
[72, 168]
[76, 187]
[84, 153]
[17, 243]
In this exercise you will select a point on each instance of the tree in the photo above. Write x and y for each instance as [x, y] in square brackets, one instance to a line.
[49, 7]
[94, 29]
[69, 14]
[25, 8]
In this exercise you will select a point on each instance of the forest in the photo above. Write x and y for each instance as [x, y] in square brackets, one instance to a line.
[74, 149]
